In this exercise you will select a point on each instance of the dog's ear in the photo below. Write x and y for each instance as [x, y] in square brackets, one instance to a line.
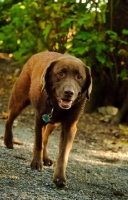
[88, 84]
[45, 74]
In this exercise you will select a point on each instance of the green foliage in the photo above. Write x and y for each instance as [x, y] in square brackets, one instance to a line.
[125, 32]
[80, 29]
[124, 74]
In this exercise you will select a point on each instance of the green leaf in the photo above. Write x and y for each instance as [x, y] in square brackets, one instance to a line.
[125, 32]
[101, 58]
[83, 35]
[109, 32]
[46, 31]
[100, 47]
[124, 74]
[80, 50]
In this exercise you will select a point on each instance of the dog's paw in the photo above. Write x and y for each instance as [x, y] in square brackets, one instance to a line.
[35, 164]
[9, 145]
[60, 182]
[47, 162]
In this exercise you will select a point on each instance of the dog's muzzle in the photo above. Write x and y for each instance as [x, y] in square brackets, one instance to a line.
[64, 103]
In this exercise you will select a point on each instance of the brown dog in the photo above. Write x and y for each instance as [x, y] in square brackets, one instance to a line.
[57, 85]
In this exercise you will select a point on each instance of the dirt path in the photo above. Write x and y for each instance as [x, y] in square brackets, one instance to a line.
[97, 167]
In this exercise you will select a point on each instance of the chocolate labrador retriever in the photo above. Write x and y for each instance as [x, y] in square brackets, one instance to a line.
[57, 85]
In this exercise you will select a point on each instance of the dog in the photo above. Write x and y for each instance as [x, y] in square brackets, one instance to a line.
[57, 85]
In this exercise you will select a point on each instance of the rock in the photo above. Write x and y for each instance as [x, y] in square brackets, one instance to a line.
[15, 123]
[108, 110]
[111, 110]
[17, 72]
[102, 110]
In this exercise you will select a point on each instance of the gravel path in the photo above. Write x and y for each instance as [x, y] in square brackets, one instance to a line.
[92, 173]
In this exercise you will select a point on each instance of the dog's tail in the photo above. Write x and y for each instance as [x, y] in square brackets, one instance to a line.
[16, 141]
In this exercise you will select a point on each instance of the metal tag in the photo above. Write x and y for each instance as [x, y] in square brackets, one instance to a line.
[46, 118]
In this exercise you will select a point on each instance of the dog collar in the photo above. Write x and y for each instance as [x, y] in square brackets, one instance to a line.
[47, 117]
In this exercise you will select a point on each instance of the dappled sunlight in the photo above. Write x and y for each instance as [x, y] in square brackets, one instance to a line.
[101, 157]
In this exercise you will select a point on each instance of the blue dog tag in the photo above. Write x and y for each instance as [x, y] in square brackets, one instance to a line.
[46, 118]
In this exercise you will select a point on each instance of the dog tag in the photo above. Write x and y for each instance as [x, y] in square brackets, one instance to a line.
[46, 118]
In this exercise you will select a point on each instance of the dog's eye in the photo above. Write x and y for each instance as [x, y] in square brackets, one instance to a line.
[61, 74]
[79, 76]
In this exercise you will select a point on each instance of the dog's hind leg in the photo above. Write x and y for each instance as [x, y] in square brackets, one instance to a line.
[18, 101]
[46, 133]
[12, 115]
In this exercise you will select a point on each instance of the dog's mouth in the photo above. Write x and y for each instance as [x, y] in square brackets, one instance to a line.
[64, 103]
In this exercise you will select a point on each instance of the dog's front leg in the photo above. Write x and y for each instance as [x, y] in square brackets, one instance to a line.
[36, 162]
[66, 140]
[46, 133]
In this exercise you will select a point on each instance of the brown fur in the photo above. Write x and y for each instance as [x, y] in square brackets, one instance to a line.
[49, 81]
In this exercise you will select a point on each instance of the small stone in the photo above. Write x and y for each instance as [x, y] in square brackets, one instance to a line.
[15, 123]
[111, 110]
[17, 71]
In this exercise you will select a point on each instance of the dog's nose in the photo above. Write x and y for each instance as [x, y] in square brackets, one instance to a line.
[68, 91]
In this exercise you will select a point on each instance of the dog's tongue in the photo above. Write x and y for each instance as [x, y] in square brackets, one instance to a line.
[64, 103]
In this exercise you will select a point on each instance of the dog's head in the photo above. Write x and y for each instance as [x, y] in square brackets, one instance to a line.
[66, 79]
